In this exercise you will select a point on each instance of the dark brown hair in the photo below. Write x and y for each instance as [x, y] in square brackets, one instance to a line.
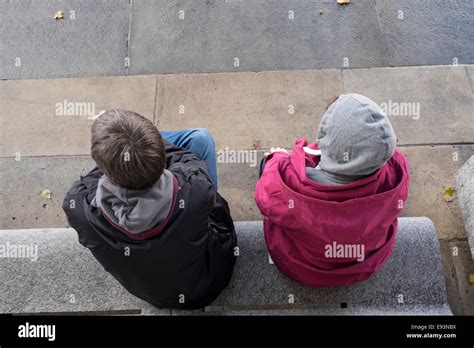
[128, 149]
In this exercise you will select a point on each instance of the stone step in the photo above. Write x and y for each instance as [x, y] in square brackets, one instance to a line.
[66, 278]
[432, 167]
[242, 110]
[196, 36]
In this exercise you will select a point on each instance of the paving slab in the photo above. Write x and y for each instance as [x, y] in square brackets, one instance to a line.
[465, 189]
[470, 74]
[241, 108]
[96, 37]
[426, 105]
[22, 182]
[208, 35]
[94, 42]
[432, 169]
[50, 117]
[452, 288]
[63, 277]
[237, 185]
[464, 267]
[268, 107]
[435, 31]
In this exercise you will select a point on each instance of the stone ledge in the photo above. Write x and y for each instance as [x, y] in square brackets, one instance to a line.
[66, 278]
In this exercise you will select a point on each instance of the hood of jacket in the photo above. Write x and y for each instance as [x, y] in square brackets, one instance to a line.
[136, 212]
[355, 137]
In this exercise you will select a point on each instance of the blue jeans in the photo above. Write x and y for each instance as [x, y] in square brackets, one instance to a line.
[200, 142]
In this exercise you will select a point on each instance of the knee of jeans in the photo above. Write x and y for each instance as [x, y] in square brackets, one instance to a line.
[203, 136]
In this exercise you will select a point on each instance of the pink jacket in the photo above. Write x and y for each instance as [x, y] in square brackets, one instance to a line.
[302, 218]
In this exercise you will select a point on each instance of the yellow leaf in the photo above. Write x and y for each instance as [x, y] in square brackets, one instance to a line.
[58, 15]
[471, 278]
[46, 194]
[448, 193]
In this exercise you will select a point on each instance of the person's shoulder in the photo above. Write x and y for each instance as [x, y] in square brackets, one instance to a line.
[82, 189]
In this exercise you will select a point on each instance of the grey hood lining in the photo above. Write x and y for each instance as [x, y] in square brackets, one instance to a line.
[135, 211]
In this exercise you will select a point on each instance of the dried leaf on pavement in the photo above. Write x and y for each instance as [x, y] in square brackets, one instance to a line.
[448, 193]
[46, 194]
[58, 15]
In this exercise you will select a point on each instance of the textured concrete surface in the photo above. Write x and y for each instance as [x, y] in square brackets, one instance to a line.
[65, 268]
[237, 186]
[470, 74]
[271, 107]
[432, 168]
[465, 189]
[260, 34]
[437, 31]
[442, 94]
[463, 267]
[454, 297]
[231, 105]
[94, 43]
[64, 278]
[323, 34]
[33, 124]
[356, 310]
[22, 182]
[416, 244]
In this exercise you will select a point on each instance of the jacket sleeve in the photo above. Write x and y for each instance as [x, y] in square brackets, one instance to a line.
[220, 218]
[85, 187]
[266, 185]
[181, 161]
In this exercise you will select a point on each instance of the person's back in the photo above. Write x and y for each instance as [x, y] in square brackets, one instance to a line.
[150, 214]
[331, 219]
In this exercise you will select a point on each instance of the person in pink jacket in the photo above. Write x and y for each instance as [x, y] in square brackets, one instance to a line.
[330, 208]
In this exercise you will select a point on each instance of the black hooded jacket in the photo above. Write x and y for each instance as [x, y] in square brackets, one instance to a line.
[188, 263]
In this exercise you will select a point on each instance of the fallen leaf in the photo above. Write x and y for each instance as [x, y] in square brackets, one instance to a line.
[321, 12]
[257, 144]
[46, 194]
[58, 15]
[343, 2]
[448, 193]
[471, 278]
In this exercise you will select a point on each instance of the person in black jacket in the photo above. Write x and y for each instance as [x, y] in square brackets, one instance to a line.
[150, 213]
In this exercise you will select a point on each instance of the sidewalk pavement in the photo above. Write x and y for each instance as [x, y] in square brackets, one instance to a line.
[130, 37]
